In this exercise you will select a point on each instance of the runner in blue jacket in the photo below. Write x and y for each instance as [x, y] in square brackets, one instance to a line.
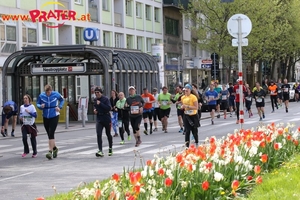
[48, 102]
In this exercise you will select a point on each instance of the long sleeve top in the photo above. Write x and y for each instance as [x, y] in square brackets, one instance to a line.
[51, 102]
[103, 109]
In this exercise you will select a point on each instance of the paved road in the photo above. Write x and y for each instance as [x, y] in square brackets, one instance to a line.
[28, 178]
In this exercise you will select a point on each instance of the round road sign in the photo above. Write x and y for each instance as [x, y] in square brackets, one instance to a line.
[233, 25]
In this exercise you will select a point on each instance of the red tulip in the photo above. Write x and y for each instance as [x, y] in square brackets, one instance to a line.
[168, 182]
[257, 169]
[264, 158]
[205, 185]
[148, 163]
[235, 184]
[258, 180]
[161, 171]
[131, 197]
[276, 146]
[296, 142]
[116, 177]
[97, 194]
[40, 198]
[208, 165]
[179, 158]
[249, 178]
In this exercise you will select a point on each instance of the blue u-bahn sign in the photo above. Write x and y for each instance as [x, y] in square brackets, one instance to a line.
[90, 34]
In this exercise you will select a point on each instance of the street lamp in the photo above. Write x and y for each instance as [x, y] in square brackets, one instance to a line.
[178, 68]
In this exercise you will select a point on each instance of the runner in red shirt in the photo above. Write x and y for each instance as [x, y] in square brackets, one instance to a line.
[147, 111]
[237, 98]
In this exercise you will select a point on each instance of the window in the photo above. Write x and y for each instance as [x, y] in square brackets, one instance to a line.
[128, 7]
[29, 33]
[158, 41]
[194, 51]
[11, 33]
[186, 49]
[172, 26]
[105, 5]
[157, 14]
[139, 43]
[148, 12]
[186, 22]
[8, 36]
[129, 42]
[46, 33]
[78, 1]
[79, 35]
[106, 38]
[118, 40]
[138, 9]
[149, 45]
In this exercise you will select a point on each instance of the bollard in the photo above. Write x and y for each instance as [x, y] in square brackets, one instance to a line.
[67, 117]
[82, 116]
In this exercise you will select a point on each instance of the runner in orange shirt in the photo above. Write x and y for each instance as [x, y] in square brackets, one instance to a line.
[147, 112]
[273, 95]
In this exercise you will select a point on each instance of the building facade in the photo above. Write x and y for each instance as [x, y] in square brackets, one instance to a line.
[130, 24]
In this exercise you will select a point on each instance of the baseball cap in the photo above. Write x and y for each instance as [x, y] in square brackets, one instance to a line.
[131, 87]
[154, 89]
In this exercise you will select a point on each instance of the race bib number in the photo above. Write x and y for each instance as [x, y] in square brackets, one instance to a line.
[237, 91]
[146, 99]
[164, 103]
[179, 105]
[211, 97]
[120, 125]
[134, 110]
[286, 89]
[279, 91]
[188, 112]
[259, 100]
[224, 97]
[272, 92]
[27, 120]
[248, 98]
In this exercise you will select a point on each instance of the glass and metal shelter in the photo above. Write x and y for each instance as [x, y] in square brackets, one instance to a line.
[74, 71]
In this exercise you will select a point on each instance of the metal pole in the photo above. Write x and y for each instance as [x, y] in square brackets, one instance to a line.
[82, 116]
[215, 73]
[67, 117]
[113, 76]
[240, 71]
[178, 69]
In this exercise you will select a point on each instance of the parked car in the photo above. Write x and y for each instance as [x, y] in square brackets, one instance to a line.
[292, 91]
[204, 107]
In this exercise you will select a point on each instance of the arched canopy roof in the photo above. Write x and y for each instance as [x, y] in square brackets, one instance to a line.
[128, 59]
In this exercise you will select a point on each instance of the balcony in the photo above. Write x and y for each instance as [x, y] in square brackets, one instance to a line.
[176, 3]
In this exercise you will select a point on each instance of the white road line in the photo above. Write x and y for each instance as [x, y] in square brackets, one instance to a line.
[5, 179]
[131, 149]
[94, 150]
[18, 148]
[173, 147]
[73, 149]
[5, 145]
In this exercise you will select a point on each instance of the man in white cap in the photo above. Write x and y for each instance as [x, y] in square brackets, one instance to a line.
[135, 104]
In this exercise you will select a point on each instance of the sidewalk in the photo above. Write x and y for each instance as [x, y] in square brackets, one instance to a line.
[75, 126]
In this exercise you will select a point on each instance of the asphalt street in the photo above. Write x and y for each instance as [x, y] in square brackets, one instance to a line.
[28, 178]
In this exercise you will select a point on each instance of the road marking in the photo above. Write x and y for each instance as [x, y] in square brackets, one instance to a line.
[18, 149]
[95, 149]
[74, 149]
[166, 149]
[5, 179]
[5, 145]
[132, 149]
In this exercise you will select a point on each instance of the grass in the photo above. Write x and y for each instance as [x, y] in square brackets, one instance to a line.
[281, 184]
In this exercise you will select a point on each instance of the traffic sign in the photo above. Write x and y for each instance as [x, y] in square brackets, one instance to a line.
[233, 25]
[235, 42]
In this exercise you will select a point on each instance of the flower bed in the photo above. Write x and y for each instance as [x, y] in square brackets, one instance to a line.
[218, 169]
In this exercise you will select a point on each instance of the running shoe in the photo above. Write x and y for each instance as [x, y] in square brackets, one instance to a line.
[273, 111]
[181, 130]
[286, 110]
[34, 155]
[224, 116]
[212, 122]
[155, 129]
[24, 155]
[237, 122]
[49, 155]
[260, 119]
[151, 131]
[145, 132]
[263, 115]
[55, 151]
[99, 154]
[116, 135]
[129, 138]
[218, 116]
[12, 134]
[166, 131]
[3, 134]
[122, 142]
[138, 142]
[110, 153]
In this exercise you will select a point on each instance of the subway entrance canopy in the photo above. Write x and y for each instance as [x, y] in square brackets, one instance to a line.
[74, 70]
